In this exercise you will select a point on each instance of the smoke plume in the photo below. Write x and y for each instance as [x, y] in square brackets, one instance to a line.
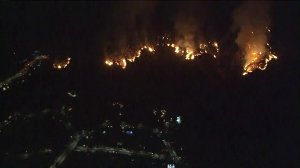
[252, 21]
[128, 26]
[188, 24]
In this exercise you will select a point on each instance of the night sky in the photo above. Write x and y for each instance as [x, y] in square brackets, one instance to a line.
[229, 120]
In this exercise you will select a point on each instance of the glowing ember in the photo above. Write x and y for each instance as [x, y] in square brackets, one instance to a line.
[123, 63]
[215, 44]
[151, 49]
[62, 64]
[109, 62]
[177, 49]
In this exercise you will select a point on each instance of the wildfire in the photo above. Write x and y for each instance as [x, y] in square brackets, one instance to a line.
[257, 56]
[187, 53]
[191, 54]
[62, 64]
[109, 62]
[259, 60]
[122, 61]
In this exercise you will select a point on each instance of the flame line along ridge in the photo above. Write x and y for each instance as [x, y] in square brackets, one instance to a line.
[188, 53]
